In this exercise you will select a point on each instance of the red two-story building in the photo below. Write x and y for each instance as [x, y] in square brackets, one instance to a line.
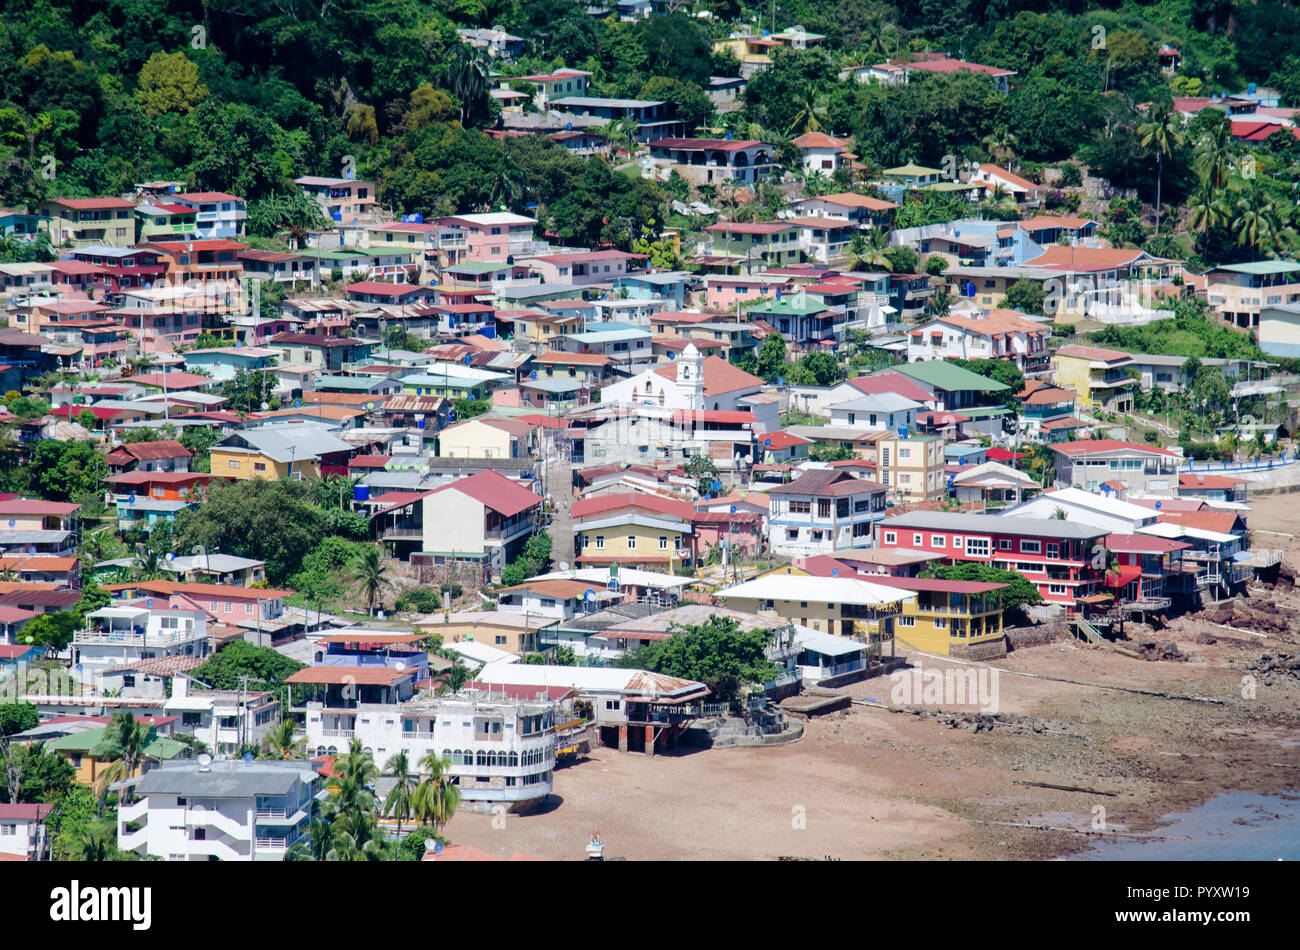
[1065, 560]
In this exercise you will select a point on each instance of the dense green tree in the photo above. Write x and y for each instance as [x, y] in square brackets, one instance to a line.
[1020, 591]
[271, 521]
[717, 653]
[63, 471]
[264, 667]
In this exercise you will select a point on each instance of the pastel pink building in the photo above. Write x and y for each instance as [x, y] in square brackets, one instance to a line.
[494, 237]
[724, 291]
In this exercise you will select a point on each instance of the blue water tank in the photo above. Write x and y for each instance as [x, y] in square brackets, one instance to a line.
[417, 218]
[902, 432]
[489, 331]
[360, 492]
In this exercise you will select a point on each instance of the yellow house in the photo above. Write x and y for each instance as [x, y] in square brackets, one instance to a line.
[845, 606]
[911, 467]
[238, 462]
[1098, 377]
[943, 617]
[275, 451]
[500, 629]
[635, 530]
[487, 438]
[79, 749]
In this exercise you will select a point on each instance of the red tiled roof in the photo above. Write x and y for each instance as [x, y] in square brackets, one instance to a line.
[1198, 480]
[1093, 353]
[150, 451]
[779, 440]
[721, 145]
[719, 376]
[380, 288]
[895, 383]
[601, 503]
[1089, 446]
[1225, 522]
[503, 495]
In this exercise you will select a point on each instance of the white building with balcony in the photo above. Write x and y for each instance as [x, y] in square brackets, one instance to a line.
[219, 215]
[119, 635]
[226, 810]
[501, 750]
[823, 511]
[225, 720]
[22, 831]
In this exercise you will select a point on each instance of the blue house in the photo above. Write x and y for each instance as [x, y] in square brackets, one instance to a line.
[668, 285]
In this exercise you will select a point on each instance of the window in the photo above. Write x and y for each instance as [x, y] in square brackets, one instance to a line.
[977, 547]
[1053, 550]
[823, 507]
[631, 542]
[792, 534]
[1056, 588]
[941, 622]
[1004, 544]
[600, 542]
[918, 539]
[938, 541]
[958, 541]
[663, 542]
[1030, 547]
[891, 537]
[906, 621]
[800, 507]
[612, 704]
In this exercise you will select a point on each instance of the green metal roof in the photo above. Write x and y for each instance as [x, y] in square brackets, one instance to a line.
[789, 306]
[949, 376]
[86, 742]
[334, 255]
[911, 168]
[1262, 267]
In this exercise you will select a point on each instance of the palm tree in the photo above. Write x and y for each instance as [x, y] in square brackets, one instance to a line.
[400, 801]
[436, 799]
[940, 302]
[1060, 514]
[147, 564]
[1257, 224]
[1208, 211]
[369, 571]
[351, 809]
[125, 741]
[455, 678]
[1001, 143]
[316, 846]
[283, 742]
[621, 132]
[1164, 132]
[467, 79]
[873, 248]
[1213, 157]
[812, 115]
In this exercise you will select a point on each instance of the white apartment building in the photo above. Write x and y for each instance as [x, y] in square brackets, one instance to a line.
[979, 335]
[501, 750]
[117, 636]
[225, 720]
[876, 411]
[823, 511]
[224, 810]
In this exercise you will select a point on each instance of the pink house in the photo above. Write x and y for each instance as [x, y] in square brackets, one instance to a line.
[723, 292]
[494, 237]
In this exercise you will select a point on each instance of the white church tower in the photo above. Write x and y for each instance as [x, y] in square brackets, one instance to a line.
[690, 377]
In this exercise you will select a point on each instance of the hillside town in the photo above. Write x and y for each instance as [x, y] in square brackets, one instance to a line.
[352, 510]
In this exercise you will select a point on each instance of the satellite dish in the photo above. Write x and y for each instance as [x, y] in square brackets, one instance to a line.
[13, 523]
[171, 555]
[1158, 504]
[149, 603]
[399, 665]
[767, 443]
[733, 509]
[297, 404]
[205, 762]
[266, 406]
[564, 566]
[835, 572]
[588, 594]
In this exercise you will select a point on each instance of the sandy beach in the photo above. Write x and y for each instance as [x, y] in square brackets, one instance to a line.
[868, 783]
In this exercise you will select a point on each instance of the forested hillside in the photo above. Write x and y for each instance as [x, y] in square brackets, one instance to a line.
[244, 97]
